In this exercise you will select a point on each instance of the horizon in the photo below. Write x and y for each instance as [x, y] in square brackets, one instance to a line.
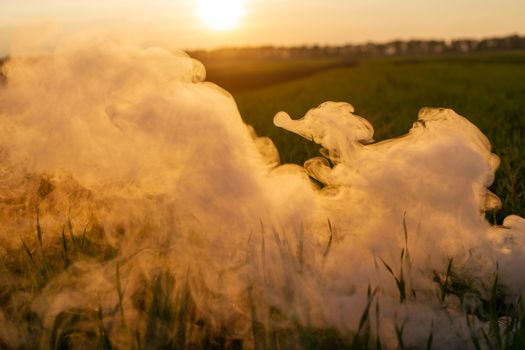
[357, 43]
[4, 51]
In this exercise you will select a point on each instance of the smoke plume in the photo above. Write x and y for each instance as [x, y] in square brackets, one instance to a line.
[169, 202]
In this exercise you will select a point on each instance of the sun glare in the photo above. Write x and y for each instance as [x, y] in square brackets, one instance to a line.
[220, 15]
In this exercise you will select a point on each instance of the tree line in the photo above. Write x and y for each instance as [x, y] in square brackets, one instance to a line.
[370, 49]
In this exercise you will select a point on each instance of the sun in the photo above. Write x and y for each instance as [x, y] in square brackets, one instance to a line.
[220, 15]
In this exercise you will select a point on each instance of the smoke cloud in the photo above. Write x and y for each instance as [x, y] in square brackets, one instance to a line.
[131, 148]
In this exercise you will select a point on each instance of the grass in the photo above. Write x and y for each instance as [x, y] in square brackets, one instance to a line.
[169, 317]
[234, 75]
[489, 89]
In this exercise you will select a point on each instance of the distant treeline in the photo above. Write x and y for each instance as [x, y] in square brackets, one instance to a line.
[352, 51]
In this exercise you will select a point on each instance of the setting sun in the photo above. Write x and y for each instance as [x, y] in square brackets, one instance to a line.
[220, 15]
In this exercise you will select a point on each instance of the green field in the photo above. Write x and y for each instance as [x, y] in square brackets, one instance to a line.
[488, 89]
[244, 75]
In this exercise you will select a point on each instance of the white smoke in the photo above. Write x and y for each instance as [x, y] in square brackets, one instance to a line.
[133, 145]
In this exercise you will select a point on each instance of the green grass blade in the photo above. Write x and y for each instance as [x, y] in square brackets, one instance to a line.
[39, 229]
[329, 245]
[28, 252]
[64, 246]
[120, 296]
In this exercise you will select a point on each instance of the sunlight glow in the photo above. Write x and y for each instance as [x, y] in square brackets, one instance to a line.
[220, 15]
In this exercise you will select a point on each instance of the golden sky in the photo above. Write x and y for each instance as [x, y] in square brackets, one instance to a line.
[293, 22]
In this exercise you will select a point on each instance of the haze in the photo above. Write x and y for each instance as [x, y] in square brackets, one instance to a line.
[274, 22]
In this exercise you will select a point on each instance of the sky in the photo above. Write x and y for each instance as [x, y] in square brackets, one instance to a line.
[268, 22]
